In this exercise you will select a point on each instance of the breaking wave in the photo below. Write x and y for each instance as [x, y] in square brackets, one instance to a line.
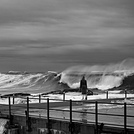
[29, 82]
[102, 77]
[99, 76]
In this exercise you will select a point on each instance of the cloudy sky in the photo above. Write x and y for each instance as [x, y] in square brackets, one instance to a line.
[41, 35]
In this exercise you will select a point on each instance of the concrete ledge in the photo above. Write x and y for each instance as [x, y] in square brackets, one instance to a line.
[39, 126]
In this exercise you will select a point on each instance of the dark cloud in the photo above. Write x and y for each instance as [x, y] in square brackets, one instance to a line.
[65, 31]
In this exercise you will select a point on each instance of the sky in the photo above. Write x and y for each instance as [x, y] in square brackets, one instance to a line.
[42, 35]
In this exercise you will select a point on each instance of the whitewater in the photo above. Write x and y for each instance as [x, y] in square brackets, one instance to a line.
[114, 78]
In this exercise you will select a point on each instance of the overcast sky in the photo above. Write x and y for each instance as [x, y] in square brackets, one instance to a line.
[41, 35]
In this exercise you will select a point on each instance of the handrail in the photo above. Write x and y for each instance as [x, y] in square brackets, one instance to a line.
[76, 111]
[70, 110]
[39, 98]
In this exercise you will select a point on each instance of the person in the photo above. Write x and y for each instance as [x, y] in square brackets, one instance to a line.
[83, 88]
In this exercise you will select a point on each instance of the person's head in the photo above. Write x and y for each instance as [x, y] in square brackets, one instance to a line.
[83, 77]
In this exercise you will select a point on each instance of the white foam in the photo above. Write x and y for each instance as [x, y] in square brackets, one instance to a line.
[8, 81]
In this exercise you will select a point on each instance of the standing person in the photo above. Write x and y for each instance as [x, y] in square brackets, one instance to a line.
[83, 88]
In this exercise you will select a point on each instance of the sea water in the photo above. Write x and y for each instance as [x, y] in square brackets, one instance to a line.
[100, 80]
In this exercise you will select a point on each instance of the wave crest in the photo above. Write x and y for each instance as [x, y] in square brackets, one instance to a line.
[98, 76]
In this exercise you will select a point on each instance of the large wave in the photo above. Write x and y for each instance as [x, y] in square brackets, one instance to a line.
[29, 82]
[98, 76]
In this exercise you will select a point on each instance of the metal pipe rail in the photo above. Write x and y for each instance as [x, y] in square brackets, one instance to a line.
[12, 108]
[74, 111]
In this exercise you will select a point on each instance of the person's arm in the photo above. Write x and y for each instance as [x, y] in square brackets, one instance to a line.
[86, 84]
[80, 85]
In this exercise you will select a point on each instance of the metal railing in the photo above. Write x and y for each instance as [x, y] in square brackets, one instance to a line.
[70, 112]
[39, 97]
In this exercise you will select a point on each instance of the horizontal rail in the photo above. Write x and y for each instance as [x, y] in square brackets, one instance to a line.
[74, 111]
[27, 109]
[92, 101]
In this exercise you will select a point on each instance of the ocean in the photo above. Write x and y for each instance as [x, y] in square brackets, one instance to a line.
[100, 79]
[51, 84]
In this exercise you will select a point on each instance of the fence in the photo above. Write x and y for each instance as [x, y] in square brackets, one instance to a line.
[95, 115]
[64, 96]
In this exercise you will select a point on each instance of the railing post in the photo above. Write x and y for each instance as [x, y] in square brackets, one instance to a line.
[125, 93]
[96, 116]
[107, 95]
[125, 118]
[27, 107]
[71, 125]
[10, 118]
[48, 121]
[13, 99]
[63, 96]
[48, 110]
[39, 98]
[71, 111]
[28, 119]
[27, 114]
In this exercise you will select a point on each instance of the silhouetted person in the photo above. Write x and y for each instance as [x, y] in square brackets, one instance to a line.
[83, 88]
